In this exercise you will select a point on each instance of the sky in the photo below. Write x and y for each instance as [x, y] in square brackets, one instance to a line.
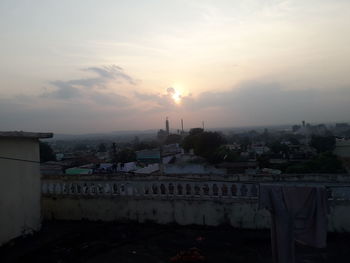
[88, 66]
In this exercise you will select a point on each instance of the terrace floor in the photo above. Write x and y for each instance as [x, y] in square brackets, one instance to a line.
[92, 242]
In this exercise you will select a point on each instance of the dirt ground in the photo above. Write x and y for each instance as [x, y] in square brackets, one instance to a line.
[92, 242]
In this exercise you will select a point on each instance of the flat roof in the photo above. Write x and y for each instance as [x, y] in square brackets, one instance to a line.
[22, 134]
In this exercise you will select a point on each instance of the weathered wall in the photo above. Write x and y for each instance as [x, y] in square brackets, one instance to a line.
[19, 188]
[237, 213]
[181, 199]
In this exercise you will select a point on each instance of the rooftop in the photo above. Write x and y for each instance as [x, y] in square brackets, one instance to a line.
[22, 134]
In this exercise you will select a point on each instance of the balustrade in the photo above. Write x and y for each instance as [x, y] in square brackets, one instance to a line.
[174, 189]
[161, 189]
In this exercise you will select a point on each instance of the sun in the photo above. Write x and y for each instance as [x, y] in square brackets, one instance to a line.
[176, 97]
[176, 93]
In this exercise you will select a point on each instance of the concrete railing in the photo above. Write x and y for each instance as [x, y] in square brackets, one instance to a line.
[175, 200]
[168, 189]
[176, 189]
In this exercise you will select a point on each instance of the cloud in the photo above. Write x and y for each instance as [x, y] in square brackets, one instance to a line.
[250, 103]
[112, 72]
[160, 102]
[256, 102]
[81, 116]
[270, 102]
[109, 99]
[76, 87]
[79, 104]
[64, 90]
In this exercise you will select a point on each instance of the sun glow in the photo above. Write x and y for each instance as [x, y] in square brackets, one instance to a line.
[177, 93]
[177, 97]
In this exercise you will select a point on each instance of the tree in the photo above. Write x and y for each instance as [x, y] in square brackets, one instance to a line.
[323, 143]
[173, 138]
[325, 162]
[195, 131]
[204, 144]
[125, 155]
[80, 147]
[222, 154]
[277, 147]
[102, 147]
[46, 152]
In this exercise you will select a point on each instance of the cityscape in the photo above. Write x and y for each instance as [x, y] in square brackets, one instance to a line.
[301, 148]
[162, 131]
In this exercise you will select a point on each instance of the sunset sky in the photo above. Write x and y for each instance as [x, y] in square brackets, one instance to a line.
[88, 66]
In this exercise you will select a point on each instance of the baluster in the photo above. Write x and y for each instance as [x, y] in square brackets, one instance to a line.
[188, 189]
[59, 188]
[135, 189]
[79, 189]
[329, 193]
[171, 188]
[129, 189]
[224, 190]
[107, 189]
[155, 189]
[244, 190]
[65, 189]
[93, 189]
[44, 189]
[146, 189]
[115, 189]
[234, 190]
[215, 190]
[85, 189]
[197, 190]
[100, 189]
[50, 187]
[162, 189]
[122, 189]
[72, 189]
[179, 189]
[253, 190]
[206, 190]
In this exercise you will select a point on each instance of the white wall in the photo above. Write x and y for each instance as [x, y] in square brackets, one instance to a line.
[20, 193]
[237, 213]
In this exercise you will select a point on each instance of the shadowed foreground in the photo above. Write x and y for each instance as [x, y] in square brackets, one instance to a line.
[112, 242]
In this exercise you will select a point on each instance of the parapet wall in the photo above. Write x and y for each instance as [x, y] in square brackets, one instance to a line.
[164, 200]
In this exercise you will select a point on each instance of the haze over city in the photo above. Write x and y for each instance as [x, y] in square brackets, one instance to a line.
[100, 66]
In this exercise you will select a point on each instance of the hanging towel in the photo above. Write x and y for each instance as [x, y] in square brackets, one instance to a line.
[298, 214]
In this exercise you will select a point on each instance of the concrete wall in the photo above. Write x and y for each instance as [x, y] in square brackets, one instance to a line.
[176, 200]
[20, 210]
[243, 214]
[237, 213]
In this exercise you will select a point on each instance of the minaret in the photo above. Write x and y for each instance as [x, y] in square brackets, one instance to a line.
[167, 126]
[182, 125]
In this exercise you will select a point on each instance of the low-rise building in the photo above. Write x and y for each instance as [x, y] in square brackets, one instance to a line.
[20, 186]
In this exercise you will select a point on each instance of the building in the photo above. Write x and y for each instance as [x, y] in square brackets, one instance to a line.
[148, 156]
[167, 126]
[342, 148]
[20, 186]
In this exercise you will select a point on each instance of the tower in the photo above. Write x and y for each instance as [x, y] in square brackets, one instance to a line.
[182, 125]
[167, 126]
